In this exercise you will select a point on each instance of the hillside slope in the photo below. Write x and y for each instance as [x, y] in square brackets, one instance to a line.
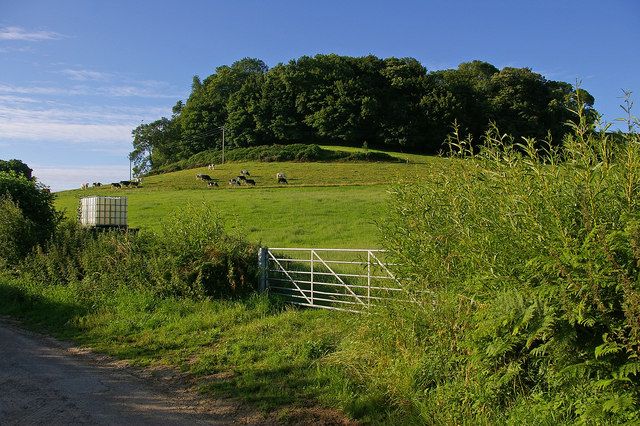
[323, 205]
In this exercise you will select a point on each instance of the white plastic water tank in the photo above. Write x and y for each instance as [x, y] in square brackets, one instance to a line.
[103, 211]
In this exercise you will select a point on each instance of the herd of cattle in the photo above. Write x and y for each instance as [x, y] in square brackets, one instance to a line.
[244, 178]
[133, 183]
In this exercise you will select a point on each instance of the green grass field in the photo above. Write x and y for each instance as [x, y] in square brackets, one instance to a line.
[257, 349]
[324, 204]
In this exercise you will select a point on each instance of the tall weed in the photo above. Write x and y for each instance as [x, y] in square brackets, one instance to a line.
[526, 266]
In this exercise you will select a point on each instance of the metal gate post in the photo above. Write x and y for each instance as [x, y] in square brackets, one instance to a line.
[312, 256]
[263, 263]
[369, 277]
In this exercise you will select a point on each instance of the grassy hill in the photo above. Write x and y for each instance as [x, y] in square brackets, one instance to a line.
[324, 204]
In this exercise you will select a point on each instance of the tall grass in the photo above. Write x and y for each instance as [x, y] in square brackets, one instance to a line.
[527, 267]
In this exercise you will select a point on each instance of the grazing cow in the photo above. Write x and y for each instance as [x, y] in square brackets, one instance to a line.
[250, 182]
[245, 172]
[211, 166]
[203, 177]
[241, 177]
[116, 185]
[85, 186]
[212, 183]
[234, 182]
[134, 183]
[282, 180]
[125, 183]
[96, 184]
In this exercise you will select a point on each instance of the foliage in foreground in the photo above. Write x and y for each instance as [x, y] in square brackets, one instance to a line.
[192, 256]
[254, 348]
[27, 215]
[524, 265]
[527, 269]
[184, 296]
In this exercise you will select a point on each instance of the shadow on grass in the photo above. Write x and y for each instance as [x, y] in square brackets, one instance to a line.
[266, 388]
[290, 388]
[39, 312]
[57, 312]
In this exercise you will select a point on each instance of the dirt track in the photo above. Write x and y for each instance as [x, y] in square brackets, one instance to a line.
[43, 381]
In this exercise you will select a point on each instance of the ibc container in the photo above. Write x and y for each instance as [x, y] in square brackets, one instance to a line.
[103, 211]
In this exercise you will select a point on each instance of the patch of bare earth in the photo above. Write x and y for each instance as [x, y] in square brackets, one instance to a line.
[46, 381]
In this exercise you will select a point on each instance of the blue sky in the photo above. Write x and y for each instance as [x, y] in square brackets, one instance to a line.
[77, 76]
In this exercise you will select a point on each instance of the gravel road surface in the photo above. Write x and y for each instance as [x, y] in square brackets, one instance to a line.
[44, 381]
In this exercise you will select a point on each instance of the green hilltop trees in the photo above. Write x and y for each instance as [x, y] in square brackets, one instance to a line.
[391, 103]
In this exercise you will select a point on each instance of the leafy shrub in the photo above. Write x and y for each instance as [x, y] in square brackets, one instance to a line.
[191, 257]
[17, 233]
[194, 256]
[16, 166]
[530, 256]
[28, 217]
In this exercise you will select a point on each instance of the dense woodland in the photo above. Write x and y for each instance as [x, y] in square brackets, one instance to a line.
[392, 103]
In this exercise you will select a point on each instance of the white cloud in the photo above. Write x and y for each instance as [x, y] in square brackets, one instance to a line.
[60, 178]
[136, 91]
[31, 90]
[12, 99]
[18, 33]
[11, 49]
[68, 132]
[100, 128]
[139, 90]
[86, 75]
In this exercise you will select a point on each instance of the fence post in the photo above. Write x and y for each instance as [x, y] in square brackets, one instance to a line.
[369, 277]
[263, 261]
[312, 256]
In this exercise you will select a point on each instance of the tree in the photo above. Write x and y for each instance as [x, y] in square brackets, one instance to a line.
[524, 103]
[338, 97]
[27, 215]
[391, 103]
[206, 109]
[17, 233]
[155, 144]
[243, 109]
[277, 115]
[403, 122]
[16, 166]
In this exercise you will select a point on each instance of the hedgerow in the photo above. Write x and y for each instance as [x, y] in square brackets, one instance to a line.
[192, 256]
[273, 153]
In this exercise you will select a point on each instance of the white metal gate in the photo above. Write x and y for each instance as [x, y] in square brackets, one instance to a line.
[342, 279]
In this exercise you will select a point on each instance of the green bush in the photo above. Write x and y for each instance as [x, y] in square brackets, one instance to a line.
[17, 234]
[27, 216]
[192, 257]
[526, 268]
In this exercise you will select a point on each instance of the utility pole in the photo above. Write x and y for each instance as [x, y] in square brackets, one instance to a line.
[222, 144]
